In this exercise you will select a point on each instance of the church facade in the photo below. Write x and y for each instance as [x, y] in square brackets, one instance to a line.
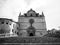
[32, 24]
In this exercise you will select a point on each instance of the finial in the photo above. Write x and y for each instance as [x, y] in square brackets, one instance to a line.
[31, 9]
[20, 14]
[42, 13]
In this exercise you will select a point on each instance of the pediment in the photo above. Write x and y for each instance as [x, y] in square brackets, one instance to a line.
[31, 13]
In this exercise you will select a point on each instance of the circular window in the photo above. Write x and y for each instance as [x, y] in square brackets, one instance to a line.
[31, 21]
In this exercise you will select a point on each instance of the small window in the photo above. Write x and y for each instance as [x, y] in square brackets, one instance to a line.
[17, 33]
[2, 22]
[6, 23]
[12, 30]
[10, 24]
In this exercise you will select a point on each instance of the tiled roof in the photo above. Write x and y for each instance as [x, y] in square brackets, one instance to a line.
[6, 19]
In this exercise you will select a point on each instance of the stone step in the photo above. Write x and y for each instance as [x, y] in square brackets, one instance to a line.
[29, 44]
[29, 40]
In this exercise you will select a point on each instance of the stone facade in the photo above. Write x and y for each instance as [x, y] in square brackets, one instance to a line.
[7, 26]
[32, 24]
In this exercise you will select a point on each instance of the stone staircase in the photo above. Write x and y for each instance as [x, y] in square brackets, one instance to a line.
[29, 40]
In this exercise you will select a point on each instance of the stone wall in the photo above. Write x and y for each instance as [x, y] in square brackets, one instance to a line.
[32, 21]
[26, 19]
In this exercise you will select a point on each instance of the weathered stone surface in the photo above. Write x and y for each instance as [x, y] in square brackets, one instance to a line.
[32, 21]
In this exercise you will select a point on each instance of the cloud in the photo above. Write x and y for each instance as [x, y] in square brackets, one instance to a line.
[2, 3]
[12, 8]
[51, 8]
[28, 2]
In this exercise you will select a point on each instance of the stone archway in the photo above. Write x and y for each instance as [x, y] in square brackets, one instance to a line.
[31, 31]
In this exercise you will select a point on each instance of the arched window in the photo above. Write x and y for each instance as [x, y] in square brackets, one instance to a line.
[6, 22]
[31, 15]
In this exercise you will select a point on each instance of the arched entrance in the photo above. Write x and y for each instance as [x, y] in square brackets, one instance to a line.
[31, 31]
[31, 34]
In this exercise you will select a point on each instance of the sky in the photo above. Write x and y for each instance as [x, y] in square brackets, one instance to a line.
[51, 8]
